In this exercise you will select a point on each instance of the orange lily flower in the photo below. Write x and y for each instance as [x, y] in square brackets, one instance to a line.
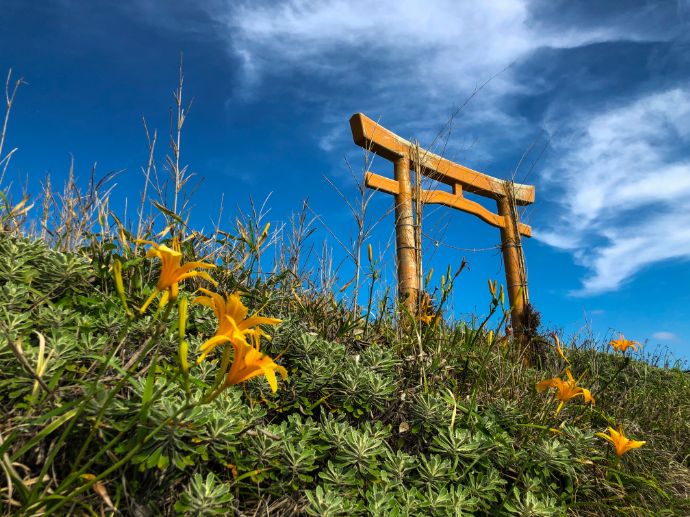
[621, 344]
[426, 318]
[619, 441]
[233, 324]
[172, 271]
[566, 389]
[427, 312]
[249, 362]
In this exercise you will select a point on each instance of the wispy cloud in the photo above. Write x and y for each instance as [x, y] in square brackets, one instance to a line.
[624, 180]
[408, 60]
[664, 335]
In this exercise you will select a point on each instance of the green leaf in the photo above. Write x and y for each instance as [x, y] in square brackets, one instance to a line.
[55, 424]
[163, 462]
[153, 458]
[168, 212]
[148, 390]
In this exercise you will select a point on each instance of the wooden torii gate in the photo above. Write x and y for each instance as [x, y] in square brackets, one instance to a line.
[405, 155]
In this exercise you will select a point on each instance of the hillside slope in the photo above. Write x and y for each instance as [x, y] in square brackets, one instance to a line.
[376, 417]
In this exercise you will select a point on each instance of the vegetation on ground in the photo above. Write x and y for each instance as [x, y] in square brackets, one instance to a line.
[128, 386]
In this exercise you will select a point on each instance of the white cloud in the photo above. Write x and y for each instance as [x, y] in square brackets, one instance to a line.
[624, 189]
[409, 60]
[663, 335]
[455, 42]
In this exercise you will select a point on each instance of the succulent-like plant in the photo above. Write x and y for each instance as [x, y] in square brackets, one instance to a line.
[205, 497]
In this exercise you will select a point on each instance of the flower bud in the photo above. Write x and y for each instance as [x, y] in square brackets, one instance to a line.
[428, 276]
[117, 273]
[183, 306]
[119, 284]
[183, 354]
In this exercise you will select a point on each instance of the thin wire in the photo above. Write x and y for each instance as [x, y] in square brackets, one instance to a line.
[438, 243]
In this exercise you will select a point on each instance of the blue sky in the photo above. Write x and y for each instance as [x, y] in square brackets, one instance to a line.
[594, 95]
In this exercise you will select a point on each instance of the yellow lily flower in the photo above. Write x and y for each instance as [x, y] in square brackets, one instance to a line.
[565, 389]
[619, 441]
[249, 362]
[427, 312]
[172, 271]
[621, 344]
[233, 324]
[426, 318]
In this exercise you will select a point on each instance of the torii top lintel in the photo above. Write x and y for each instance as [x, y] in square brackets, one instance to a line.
[376, 138]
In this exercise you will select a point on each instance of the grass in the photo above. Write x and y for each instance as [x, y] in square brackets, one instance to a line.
[381, 414]
[381, 422]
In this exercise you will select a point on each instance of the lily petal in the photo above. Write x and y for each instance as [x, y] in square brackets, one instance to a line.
[271, 378]
[543, 385]
[208, 346]
[193, 265]
[201, 274]
[253, 321]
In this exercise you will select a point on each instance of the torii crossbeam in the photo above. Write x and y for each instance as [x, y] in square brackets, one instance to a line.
[404, 155]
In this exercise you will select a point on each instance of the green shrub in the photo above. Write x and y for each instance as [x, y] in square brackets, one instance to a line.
[97, 408]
